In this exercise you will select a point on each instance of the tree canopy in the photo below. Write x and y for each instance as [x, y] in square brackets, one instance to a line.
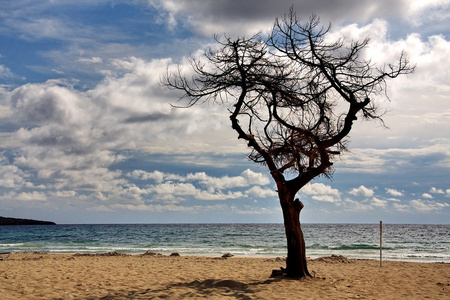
[293, 96]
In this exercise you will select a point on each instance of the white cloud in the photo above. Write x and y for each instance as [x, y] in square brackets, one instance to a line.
[321, 192]
[224, 182]
[319, 189]
[379, 202]
[181, 189]
[362, 191]
[427, 196]
[157, 176]
[415, 130]
[5, 72]
[325, 198]
[206, 195]
[373, 160]
[254, 178]
[356, 206]
[401, 207]
[367, 204]
[248, 210]
[72, 138]
[40, 28]
[65, 194]
[431, 10]
[175, 190]
[29, 196]
[434, 190]
[170, 187]
[12, 177]
[160, 208]
[151, 207]
[247, 178]
[91, 60]
[428, 206]
[394, 192]
[257, 191]
[393, 199]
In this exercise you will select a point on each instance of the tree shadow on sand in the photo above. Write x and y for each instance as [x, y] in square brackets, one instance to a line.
[207, 288]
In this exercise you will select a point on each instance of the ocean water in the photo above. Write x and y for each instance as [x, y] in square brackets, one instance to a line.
[420, 243]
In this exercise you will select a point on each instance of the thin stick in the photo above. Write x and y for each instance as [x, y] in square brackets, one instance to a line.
[381, 244]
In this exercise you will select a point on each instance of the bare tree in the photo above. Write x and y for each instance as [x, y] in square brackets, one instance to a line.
[293, 98]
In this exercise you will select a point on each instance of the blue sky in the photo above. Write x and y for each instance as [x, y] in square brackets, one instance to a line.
[88, 135]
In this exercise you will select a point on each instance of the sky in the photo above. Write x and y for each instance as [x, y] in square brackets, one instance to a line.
[88, 134]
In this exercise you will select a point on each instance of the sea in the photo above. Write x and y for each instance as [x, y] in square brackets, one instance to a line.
[415, 243]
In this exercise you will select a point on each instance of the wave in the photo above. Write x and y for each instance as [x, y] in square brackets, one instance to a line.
[348, 247]
[11, 245]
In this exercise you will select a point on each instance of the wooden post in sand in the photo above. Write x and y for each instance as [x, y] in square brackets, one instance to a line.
[381, 244]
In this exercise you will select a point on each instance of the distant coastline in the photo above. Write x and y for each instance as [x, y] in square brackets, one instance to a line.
[16, 221]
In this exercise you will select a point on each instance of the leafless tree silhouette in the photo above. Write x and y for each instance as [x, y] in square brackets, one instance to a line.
[294, 96]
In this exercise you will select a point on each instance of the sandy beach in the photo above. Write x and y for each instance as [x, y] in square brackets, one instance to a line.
[114, 276]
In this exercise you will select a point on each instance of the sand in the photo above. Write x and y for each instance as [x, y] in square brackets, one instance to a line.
[69, 276]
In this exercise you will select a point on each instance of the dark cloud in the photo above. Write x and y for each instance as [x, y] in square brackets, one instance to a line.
[140, 118]
[219, 16]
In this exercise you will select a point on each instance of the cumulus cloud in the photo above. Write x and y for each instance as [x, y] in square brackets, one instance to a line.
[379, 150]
[404, 208]
[71, 138]
[357, 206]
[29, 196]
[319, 189]
[325, 198]
[374, 160]
[173, 186]
[12, 177]
[321, 192]
[427, 196]
[375, 149]
[157, 176]
[181, 189]
[247, 178]
[434, 190]
[428, 206]
[362, 191]
[260, 192]
[379, 202]
[255, 178]
[394, 192]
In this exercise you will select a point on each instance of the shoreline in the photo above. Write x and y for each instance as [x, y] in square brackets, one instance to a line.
[137, 276]
[332, 257]
[309, 258]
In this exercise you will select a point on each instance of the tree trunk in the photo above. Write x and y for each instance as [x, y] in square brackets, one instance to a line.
[296, 265]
